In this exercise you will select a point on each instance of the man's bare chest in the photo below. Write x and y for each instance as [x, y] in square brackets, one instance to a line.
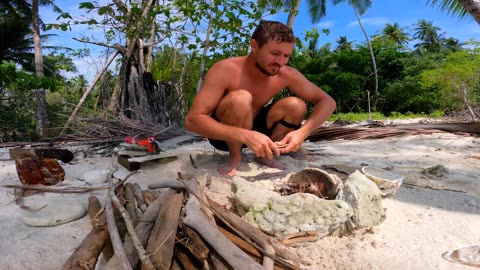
[261, 92]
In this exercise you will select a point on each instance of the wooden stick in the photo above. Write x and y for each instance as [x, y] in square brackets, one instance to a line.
[130, 204]
[137, 191]
[56, 189]
[229, 251]
[86, 255]
[112, 227]
[194, 243]
[143, 230]
[162, 240]
[247, 232]
[184, 259]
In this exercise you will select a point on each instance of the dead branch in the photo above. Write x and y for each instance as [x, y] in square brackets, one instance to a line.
[194, 243]
[86, 93]
[112, 227]
[130, 204]
[86, 255]
[196, 219]
[162, 240]
[146, 263]
[143, 230]
[56, 190]
[137, 191]
[252, 234]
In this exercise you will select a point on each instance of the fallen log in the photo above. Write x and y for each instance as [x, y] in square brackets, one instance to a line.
[162, 240]
[86, 255]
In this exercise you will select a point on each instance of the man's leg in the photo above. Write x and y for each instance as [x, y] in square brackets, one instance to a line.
[291, 110]
[235, 109]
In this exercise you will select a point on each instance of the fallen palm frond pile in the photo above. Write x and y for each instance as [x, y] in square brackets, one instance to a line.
[174, 226]
[366, 132]
[117, 129]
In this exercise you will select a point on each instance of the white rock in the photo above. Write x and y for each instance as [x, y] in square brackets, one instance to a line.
[96, 176]
[52, 211]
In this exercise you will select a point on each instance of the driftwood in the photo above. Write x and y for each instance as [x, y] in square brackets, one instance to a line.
[146, 263]
[184, 259]
[130, 204]
[137, 191]
[194, 243]
[143, 230]
[257, 236]
[161, 242]
[86, 255]
[199, 221]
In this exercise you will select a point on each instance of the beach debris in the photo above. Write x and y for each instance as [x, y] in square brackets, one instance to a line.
[38, 170]
[437, 171]
[282, 215]
[375, 132]
[315, 181]
[467, 255]
[52, 211]
[388, 182]
[365, 198]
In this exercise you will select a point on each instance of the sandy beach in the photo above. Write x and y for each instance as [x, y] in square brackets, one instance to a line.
[429, 215]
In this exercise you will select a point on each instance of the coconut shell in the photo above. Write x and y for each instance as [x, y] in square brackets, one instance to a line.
[38, 170]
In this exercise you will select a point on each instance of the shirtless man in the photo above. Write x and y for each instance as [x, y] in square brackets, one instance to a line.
[231, 107]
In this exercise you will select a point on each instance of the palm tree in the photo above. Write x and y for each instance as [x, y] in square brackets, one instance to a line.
[428, 35]
[343, 44]
[459, 8]
[396, 34]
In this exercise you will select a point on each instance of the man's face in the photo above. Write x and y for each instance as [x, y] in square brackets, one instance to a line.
[272, 56]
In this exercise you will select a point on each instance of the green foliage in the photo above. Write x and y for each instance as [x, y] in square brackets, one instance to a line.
[457, 80]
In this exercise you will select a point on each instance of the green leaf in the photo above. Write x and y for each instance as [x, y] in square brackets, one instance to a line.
[87, 5]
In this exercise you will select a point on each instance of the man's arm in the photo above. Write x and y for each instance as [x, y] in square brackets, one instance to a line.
[324, 105]
[198, 119]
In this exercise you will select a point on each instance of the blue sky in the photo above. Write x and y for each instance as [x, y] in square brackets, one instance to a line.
[340, 20]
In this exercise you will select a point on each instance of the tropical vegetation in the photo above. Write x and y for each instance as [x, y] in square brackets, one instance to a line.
[158, 54]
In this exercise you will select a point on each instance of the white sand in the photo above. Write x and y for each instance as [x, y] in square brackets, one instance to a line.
[421, 223]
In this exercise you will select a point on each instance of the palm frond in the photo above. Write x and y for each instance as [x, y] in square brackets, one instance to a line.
[452, 7]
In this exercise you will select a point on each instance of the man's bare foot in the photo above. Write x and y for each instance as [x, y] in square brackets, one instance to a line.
[270, 163]
[229, 168]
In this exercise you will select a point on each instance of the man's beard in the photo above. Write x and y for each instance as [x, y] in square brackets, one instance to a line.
[265, 71]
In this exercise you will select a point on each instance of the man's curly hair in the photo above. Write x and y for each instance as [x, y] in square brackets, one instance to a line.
[272, 30]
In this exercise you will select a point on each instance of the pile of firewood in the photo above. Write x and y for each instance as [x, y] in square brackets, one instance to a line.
[174, 225]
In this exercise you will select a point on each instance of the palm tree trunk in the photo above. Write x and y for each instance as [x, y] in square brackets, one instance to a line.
[205, 48]
[293, 14]
[372, 55]
[473, 7]
[41, 115]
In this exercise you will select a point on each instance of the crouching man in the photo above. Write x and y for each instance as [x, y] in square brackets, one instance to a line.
[232, 110]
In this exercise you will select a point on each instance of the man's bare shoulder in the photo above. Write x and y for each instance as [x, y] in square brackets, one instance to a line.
[230, 63]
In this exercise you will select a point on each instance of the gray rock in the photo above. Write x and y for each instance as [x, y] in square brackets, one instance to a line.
[365, 198]
[52, 211]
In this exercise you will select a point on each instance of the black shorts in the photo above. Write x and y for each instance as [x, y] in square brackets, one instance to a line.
[259, 124]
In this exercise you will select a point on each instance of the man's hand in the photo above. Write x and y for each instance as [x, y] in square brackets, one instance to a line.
[261, 145]
[291, 142]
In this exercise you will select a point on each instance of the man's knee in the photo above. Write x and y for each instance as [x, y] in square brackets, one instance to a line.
[236, 104]
[296, 106]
